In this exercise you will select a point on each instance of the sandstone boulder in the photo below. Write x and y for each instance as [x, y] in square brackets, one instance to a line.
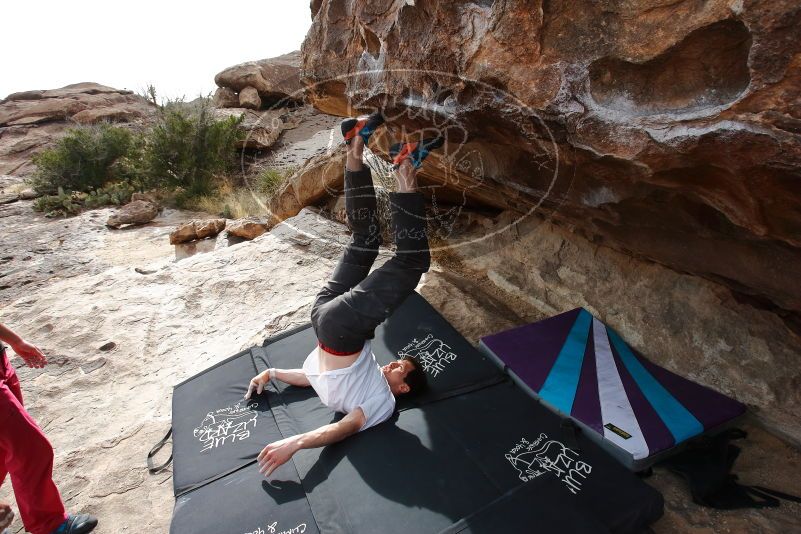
[19, 143]
[262, 128]
[274, 79]
[183, 234]
[96, 102]
[32, 120]
[196, 229]
[248, 228]
[136, 212]
[321, 177]
[670, 131]
[249, 98]
[225, 97]
[12, 189]
[28, 194]
[209, 228]
[645, 155]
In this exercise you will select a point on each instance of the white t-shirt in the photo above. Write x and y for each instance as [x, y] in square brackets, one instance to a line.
[360, 385]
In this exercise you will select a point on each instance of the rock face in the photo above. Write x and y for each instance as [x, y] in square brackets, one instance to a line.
[31, 120]
[264, 82]
[196, 229]
[306, 133]
[689, 324]
[670, 131]
[13, 188]
[136, 212]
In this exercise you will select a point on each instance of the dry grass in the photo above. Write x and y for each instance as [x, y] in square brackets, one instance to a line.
[235, 202]
[231, 203]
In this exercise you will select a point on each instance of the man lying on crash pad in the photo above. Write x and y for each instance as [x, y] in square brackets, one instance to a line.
[342, 369]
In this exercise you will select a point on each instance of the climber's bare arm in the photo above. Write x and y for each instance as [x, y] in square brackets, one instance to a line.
[293, 377]
[279, 452]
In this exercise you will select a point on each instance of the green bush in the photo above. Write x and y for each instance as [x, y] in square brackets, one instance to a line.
[73, 202]
[227, 212]
[86, 158]
[188, 147]
[115, 194]
[184, 151]
[270, 180]
[60, 204]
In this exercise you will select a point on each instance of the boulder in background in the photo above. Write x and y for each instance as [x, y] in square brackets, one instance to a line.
[248, 228]
[249, 98]
[136, 212]
[274, 79]
[196, 229]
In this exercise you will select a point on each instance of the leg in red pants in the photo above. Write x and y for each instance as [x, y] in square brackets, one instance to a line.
[27, 456]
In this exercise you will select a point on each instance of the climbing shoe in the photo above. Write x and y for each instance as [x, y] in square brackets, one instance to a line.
[77, 524]
[363, 126]
[416, 151]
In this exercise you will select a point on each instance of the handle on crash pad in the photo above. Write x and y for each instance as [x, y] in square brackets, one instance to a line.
[569, 431]
[156, 448]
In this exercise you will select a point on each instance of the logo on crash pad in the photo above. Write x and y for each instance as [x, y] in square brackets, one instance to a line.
[535, 458]
[433, 354]
[226, 425]
[272, 528]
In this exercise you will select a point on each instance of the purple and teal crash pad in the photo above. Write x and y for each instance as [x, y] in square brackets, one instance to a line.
[579, 367]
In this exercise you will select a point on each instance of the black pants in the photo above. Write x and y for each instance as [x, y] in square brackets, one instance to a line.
[353, 303]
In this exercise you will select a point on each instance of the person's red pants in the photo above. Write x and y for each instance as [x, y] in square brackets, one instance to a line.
[27, 456]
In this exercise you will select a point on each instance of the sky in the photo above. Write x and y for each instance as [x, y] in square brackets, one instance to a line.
[175, 45]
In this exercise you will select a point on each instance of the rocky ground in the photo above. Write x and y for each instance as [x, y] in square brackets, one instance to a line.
[104, 408]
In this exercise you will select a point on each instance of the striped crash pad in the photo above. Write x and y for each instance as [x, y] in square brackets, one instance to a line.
[579, 367]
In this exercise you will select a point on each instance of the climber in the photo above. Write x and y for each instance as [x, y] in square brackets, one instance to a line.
[26, 454]
[342, 368]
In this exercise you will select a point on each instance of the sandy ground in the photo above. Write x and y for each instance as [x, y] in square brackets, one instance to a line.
[103, 409]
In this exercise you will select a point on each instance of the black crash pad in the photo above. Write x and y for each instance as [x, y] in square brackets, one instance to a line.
[214, 429]
[463, 458]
